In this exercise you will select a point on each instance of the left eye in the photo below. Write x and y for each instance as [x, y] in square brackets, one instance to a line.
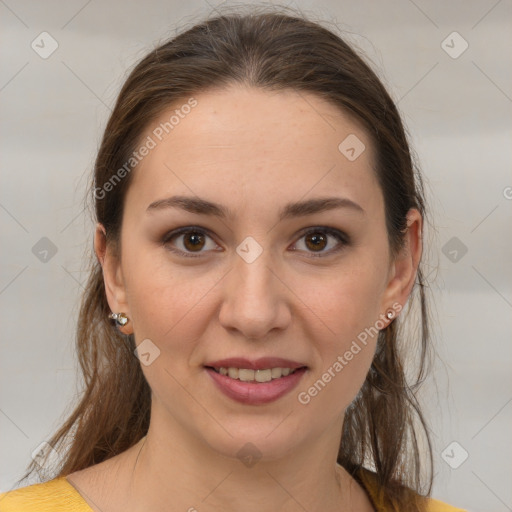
[193, 240]
[317, 239]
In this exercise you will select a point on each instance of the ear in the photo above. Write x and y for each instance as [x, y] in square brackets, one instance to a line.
[404, 267]
[112, 276]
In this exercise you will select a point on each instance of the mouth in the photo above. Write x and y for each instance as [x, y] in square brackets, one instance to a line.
[251, 386]
[258, 376]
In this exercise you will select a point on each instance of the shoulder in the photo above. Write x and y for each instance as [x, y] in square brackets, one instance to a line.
[439, 506]
[56, 495]
[368, 479]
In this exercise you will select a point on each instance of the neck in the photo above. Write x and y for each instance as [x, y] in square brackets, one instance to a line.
[195, 478]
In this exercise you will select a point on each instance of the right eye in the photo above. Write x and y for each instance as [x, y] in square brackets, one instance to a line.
[193, 240]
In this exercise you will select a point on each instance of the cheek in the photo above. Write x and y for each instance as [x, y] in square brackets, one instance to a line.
[344, 351]
[164, 298]
[346, 301]
[344, 330]
[163, 305]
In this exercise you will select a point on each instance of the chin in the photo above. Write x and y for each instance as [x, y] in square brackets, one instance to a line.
[257, 438]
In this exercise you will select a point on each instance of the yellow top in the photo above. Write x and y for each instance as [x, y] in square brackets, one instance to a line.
[58, 495]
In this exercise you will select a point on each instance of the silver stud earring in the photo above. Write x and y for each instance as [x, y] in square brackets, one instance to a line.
[120, 319]
[390, 314]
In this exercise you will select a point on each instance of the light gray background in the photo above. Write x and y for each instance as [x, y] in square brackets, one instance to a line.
[458, 112]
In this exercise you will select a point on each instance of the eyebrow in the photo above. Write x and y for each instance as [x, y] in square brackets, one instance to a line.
[291, 210]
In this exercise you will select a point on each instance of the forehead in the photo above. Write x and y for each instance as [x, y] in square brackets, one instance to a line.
[261, 144]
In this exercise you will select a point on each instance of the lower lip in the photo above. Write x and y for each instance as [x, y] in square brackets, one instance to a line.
[255, 393]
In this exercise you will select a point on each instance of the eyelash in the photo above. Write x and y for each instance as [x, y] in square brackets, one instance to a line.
[339, 235]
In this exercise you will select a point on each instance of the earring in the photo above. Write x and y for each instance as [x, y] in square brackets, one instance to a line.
[390, 314]
[119, 318]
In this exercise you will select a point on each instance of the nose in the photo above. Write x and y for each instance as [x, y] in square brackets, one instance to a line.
[255, 299]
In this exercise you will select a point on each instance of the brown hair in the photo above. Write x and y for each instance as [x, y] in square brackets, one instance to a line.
[269, 50]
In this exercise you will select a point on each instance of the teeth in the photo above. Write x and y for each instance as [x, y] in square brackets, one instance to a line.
[263, 375]
[248, 375]
[275, 373]
[245, 375]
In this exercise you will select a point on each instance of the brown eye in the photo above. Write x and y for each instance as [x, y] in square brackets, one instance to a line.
[193, 241]
[188, 242]
[317, 239]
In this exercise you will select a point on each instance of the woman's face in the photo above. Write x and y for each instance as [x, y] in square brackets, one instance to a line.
[252, 283]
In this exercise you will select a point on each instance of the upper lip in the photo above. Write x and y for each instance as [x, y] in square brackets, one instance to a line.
[262, 363]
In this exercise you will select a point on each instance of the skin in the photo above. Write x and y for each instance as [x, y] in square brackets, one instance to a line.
[285, 303]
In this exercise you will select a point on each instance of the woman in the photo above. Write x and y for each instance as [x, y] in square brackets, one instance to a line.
[259, 235]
